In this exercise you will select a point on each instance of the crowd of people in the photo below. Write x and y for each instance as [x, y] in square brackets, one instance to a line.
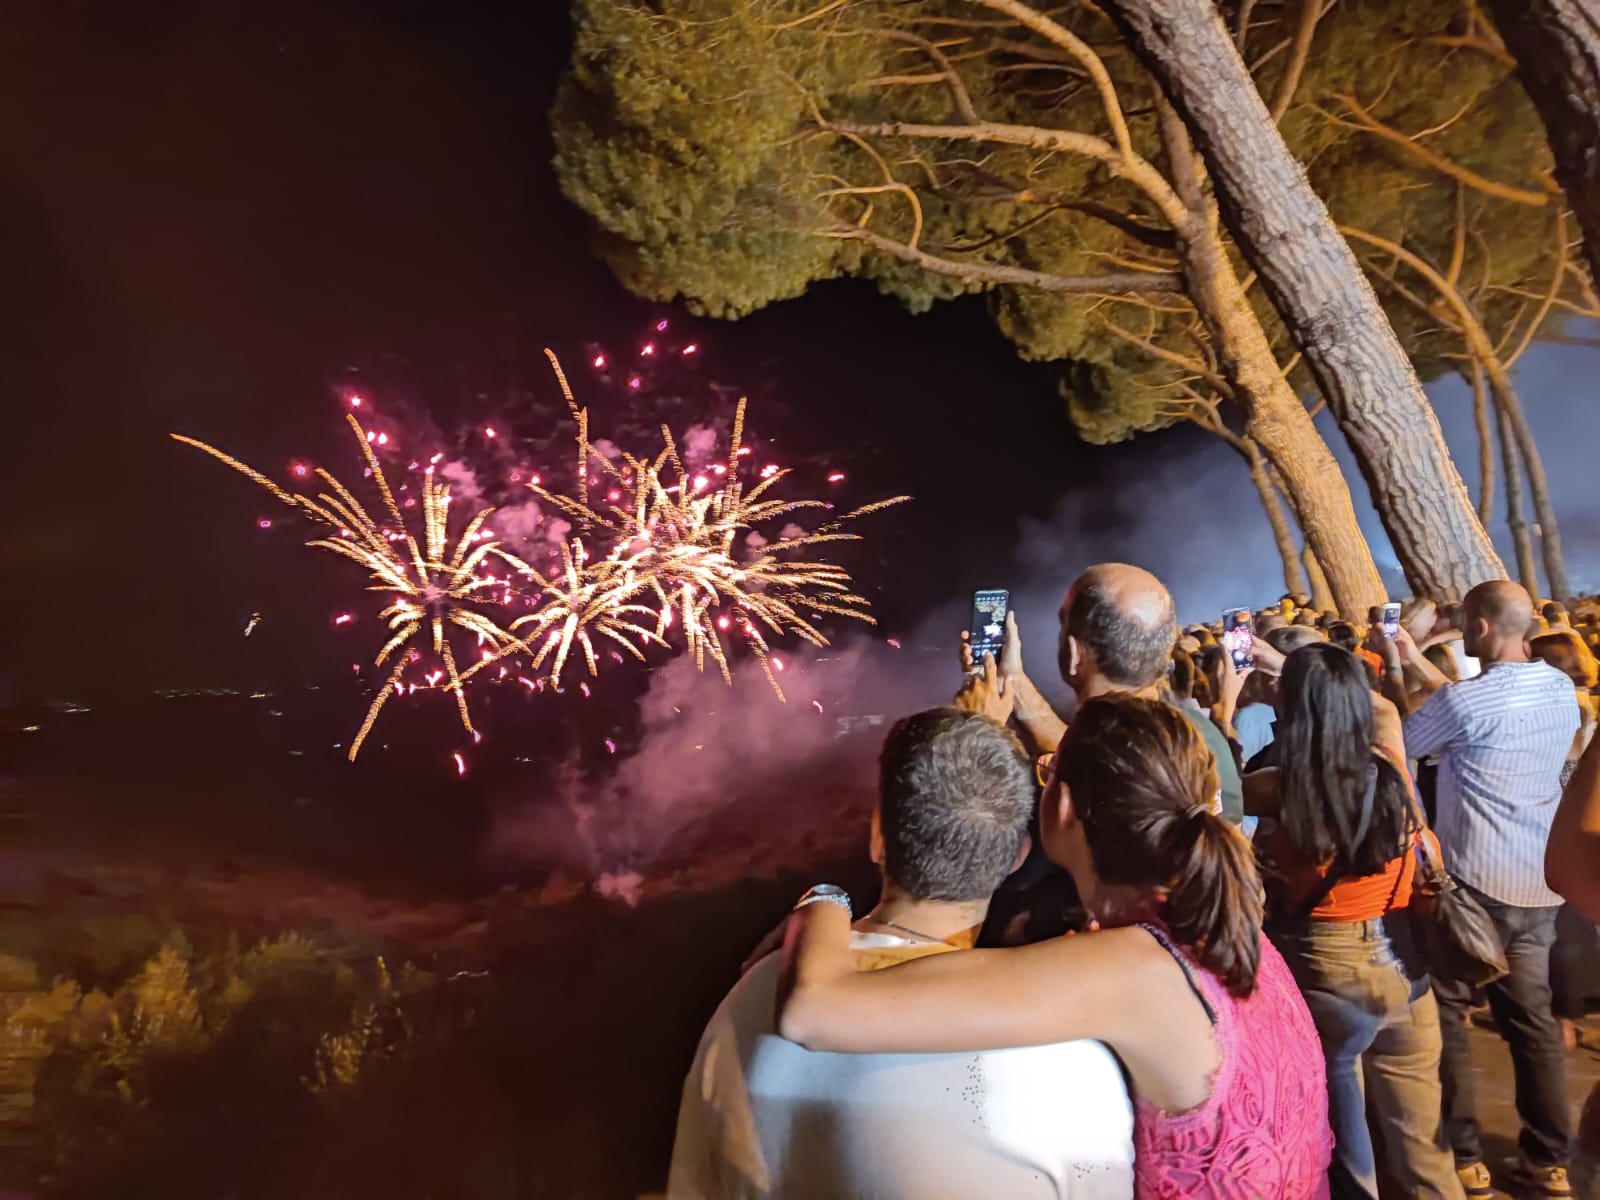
[1186, 944]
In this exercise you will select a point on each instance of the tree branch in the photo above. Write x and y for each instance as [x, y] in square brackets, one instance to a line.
[1136, 170]
[958, 90]
[1567, 339]
[900, 188]
[1557, 278]
[1183, 362]
[1366, 121]
[1480, 420]
[1283, 95]
[993, 275]
[890, 184]
[1480, 44]
[1156, 239]
[1458, 248]
[1242, 33]
[1577, 310]
[1059, 35]
[812, 15]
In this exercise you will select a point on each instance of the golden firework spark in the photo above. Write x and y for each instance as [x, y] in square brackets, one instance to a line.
[668, 550]
[434, 581]
[679, 539]
[583, 596]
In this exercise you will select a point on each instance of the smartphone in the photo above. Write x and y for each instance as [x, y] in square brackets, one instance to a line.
[987, 629]
[1391, 620]
[1238, 634]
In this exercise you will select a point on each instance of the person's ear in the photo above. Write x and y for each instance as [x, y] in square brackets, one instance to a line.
[1055, 808]
[1071, 657]
[876, 846]
[1022, 851]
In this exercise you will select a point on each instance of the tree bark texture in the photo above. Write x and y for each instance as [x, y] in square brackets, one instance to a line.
[1512, 416]
[1321, 597]
[1487, 361]
[1313, 279]
[1275, 419]
[1480, 421]
[1557, 47]
[1278, 422]
[1516, 519]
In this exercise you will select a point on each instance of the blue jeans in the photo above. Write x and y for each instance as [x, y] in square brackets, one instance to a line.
[1521, 1006]
[1380, 1035]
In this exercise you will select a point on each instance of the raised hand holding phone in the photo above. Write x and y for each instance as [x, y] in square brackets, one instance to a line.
[1391, 620]
[1011, 650]
[1238, 635]
[987, 629]
[985, 692]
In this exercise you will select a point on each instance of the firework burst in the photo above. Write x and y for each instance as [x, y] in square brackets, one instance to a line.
[434, 580]
[677, 537]
[662, 549]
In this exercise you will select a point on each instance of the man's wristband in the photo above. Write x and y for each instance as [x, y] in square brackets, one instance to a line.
[826, 893]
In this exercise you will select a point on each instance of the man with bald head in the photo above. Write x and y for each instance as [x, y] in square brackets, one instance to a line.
[1118, 628]
[1502, 738]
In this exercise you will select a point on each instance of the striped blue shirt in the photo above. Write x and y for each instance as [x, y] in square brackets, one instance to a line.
[1502, 738]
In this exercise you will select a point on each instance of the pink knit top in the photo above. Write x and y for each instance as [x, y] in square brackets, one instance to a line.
[1264, 1129]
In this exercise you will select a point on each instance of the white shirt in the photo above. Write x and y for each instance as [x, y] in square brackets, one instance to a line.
[1502, 738]
[763, 1117]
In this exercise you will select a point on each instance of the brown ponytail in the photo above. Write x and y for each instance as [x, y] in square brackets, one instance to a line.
[1143, 784]
[1215, 905]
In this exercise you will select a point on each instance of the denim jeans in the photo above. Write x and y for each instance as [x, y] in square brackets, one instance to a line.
[1521, 1006]
[1380, 1035]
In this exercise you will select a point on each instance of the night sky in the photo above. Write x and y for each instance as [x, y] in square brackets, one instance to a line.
[212, 217]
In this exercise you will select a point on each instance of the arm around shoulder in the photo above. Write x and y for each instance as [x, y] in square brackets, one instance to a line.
[1054, 991]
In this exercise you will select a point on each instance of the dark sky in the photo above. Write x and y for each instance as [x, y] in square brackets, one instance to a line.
[210, 215]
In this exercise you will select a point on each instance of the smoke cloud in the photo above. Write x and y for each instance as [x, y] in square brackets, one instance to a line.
[719, 767]
[698, 446]
[519, 523]
[463, 482]
[718, 770]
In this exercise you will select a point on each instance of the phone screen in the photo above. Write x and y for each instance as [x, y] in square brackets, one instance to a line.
[988, 626]
[1391, 620]
[1238, 634]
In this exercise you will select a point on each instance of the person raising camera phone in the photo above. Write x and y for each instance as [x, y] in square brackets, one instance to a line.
[1118, 628]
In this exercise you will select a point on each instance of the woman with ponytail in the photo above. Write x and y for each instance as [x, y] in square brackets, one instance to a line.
[1337, 844]
[1224, 1063]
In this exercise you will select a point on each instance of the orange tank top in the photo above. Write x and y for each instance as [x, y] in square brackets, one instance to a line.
[1361, 898]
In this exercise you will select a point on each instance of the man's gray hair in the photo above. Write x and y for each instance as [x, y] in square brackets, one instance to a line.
[1128, 650]
[955, 791]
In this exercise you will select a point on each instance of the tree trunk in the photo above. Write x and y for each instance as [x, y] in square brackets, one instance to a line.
[1488, 361]
[1321, 597]
[1279, 423]
[1480, 421]
[1294, 572]
[1333, 315]
[1557, 47]
[1275, 418]
[1516, 521]
[1509, 406]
